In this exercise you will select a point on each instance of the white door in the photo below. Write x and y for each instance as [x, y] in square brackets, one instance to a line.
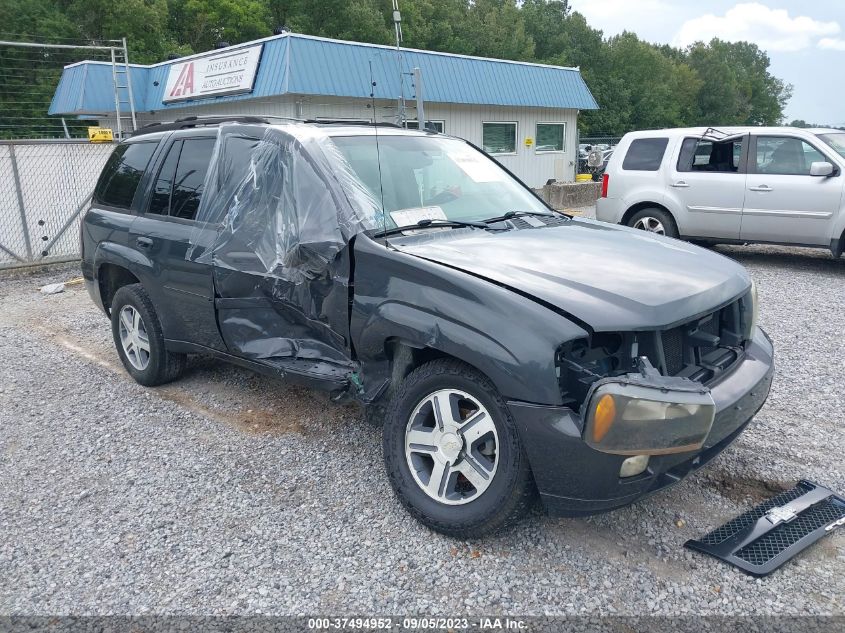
[784, 203]
[708, 185]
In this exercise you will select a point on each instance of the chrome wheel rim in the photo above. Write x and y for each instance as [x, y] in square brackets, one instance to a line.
[451, 447]
[650, 224]
[134, 338]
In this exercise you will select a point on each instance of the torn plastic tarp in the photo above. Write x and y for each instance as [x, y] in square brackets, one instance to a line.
[285, 212]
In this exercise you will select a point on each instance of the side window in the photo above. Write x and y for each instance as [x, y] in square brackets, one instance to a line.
[785, 156]
[645, 154]
[706, 155]
[122, 173]
[160, 199]
[236, 156]
[190, 177]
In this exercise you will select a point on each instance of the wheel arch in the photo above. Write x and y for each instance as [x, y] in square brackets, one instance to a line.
[629, 213]
[110, 279]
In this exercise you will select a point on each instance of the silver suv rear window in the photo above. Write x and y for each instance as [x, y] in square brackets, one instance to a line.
[645, 154]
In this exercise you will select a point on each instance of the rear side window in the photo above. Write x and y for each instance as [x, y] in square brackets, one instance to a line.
[707, 155]
[160, 199]
[645, 154]
[189, 181]
[122, 173]
[181, 178]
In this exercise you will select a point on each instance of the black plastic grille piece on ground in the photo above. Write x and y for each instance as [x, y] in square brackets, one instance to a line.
[764, 538]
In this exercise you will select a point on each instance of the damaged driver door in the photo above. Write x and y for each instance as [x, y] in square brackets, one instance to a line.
[296, 323]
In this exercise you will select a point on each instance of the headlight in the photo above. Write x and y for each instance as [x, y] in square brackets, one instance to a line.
[750, 310]
[636, 419]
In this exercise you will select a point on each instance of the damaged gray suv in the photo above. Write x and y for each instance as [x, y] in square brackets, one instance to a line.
[509, 351]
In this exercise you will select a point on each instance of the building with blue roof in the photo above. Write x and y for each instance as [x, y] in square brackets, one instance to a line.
[524, 114]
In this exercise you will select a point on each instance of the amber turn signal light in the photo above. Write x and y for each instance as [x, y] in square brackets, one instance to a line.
[604, 416]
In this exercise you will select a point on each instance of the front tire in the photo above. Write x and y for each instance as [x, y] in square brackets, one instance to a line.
[453, 454]
[654, 221]
[139, 340]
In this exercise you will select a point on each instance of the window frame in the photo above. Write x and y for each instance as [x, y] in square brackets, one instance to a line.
[140, 189]
[536, 136]
[515, 125]
[442, 123]
[752, 151]
[646, 138]
[742, 168]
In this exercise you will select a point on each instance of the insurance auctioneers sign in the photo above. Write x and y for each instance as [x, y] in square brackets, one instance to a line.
[223, 73]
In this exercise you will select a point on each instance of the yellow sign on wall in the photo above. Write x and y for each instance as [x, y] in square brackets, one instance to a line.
[529, 141]
[100, 135]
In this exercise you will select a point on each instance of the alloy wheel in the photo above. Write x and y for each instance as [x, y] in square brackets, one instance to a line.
[134, 338]
[650, 224]
[451, 446]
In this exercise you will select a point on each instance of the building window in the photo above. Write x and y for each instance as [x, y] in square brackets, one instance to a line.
[499, 138]
[440, 126]
[551, 137]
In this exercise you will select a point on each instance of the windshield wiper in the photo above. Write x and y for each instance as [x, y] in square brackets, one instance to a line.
[515, 214]
[429, 223]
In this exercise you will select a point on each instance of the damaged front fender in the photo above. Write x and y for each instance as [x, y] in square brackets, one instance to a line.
[424, 305]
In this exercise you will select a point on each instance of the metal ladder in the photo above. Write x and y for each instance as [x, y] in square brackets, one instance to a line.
[122, 81]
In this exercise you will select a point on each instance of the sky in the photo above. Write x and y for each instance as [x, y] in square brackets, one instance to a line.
[804, 40]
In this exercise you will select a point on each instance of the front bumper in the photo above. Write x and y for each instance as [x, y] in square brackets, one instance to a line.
[574, 479]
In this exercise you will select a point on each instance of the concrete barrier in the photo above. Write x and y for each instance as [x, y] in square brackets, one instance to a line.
[568, 195]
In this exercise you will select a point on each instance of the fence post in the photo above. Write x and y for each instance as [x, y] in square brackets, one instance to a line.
[19, 192]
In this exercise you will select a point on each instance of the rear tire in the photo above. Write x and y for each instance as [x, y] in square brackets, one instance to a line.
[139, 340]
[453, 454]
[656, 221]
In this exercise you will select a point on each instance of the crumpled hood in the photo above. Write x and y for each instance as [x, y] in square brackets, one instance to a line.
[610, 277]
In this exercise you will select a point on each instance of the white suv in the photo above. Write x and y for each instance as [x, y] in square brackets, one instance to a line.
[779, 185]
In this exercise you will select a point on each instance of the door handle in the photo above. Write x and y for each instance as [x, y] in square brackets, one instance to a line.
[680, 185]
[761, 188]
[144, 242]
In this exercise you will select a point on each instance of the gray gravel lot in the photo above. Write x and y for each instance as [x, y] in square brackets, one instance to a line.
[227, 492]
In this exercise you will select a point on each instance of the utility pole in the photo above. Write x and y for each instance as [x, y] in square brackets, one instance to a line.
[397, 27]
[418, 90]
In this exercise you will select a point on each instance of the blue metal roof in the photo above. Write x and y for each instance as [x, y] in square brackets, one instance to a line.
[301, 64]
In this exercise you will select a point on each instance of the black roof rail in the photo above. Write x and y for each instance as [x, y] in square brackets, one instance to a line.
[352, 123]
[203, 121]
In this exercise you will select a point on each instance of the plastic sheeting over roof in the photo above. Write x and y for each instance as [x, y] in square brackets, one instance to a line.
[300, 64]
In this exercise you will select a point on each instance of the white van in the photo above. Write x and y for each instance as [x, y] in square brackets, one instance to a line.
[777, 185]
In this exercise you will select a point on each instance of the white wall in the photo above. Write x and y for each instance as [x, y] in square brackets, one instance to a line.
[465, 121]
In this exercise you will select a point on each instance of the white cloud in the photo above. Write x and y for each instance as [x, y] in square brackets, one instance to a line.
[832, 44]
[770, 29]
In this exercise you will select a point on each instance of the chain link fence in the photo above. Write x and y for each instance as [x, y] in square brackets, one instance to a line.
[44, 188]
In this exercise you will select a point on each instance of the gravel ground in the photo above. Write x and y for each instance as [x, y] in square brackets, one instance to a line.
[227, 492]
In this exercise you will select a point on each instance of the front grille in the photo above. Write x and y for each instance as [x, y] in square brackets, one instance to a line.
[786, 535]
[765, 537]
[743, 521]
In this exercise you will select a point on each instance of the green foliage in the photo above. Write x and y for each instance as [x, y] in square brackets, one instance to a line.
[637, 84]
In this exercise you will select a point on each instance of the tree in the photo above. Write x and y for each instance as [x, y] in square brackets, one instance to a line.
[737, 87]
[637, 85]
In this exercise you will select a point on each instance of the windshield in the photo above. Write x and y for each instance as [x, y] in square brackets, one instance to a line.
[432, 177]
[836, 141]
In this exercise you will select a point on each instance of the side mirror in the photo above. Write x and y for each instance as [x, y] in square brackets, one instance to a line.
[822, 169]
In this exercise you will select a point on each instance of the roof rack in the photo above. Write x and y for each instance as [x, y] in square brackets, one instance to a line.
[203, 121]
[355, 123]
[209, 120]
